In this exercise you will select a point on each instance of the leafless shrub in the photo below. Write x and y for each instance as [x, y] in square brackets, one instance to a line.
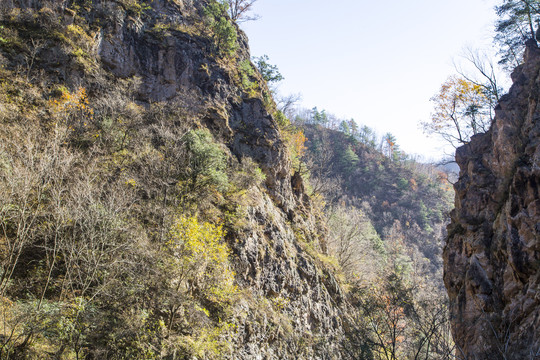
[29, 168]
[94, 236]
[354, 242]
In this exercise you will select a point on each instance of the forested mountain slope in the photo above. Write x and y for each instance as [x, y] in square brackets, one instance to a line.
[386, 218]
[402, 197]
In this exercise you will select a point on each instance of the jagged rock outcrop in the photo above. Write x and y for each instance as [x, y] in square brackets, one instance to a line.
[272, 263]
[299, 301]
[492, 255]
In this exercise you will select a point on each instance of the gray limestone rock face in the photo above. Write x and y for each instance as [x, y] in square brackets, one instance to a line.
[180, 63]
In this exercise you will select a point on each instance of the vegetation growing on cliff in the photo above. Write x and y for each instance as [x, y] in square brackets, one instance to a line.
[465, 104]
[517, 23]
[184, 216]
[117, 214]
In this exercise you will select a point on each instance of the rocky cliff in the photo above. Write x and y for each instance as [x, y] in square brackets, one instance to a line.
[492, 255]
[147, 74]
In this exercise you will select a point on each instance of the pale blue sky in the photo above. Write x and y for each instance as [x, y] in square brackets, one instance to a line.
[377, 62]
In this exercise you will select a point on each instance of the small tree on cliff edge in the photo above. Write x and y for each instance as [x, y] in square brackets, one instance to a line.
[516, 24]
[461, 110]
[239, 10]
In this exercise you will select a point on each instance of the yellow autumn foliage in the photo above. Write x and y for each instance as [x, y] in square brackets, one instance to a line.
[200, 259]
[72, 108]
[461, 110]
[71, 101]
[298, 142]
